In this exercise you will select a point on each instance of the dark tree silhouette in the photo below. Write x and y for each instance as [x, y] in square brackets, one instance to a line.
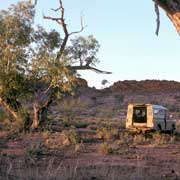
[172, 9]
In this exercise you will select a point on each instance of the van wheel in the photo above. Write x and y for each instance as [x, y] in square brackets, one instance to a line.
[159, 128]
[173, 128]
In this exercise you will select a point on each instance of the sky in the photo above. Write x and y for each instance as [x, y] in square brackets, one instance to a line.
[126, 32]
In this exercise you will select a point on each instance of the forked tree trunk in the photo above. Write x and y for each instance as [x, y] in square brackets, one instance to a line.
[40, 114]
[172, 8]
[35, 123]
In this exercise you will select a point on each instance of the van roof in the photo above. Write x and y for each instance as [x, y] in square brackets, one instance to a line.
[153, 105]
[159, 107]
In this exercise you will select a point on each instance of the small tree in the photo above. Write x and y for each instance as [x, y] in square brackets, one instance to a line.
[104, 82]
[119, 98]
[83, 51]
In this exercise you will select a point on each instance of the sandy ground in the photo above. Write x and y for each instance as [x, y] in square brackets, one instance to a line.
[134, 162]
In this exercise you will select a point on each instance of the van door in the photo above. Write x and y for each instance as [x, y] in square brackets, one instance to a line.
[160, 119]
[165, 119]
[129, 116]
[139, 115]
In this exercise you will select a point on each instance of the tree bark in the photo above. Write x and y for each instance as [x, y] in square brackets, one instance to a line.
[40, 113]
[35, 122]
[172, 9]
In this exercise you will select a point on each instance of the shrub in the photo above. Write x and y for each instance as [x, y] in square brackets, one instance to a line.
[126, 139]
[65, 138]
[161, 139]
[2, 115]
[107, 133]
[34, 150]
[79, 124]
[105, 149]
[139, 139]
[13, 127]
[92, 127]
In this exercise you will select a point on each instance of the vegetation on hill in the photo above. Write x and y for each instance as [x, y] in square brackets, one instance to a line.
[146, 86]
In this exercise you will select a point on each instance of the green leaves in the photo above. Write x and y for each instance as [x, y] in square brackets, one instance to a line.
[36, 66]
[84, 50]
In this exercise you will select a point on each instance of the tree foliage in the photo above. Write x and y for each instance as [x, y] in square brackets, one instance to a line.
[83, 50]
[36, 66]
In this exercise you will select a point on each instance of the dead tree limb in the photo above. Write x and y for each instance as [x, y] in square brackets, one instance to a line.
[35, 3]
[62, 23]
[158, 17]
[76, 68]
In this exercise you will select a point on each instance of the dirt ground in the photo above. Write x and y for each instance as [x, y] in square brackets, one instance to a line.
[26, 156]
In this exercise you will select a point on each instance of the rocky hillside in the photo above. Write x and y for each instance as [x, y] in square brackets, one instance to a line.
[112, 102]
[146, 86]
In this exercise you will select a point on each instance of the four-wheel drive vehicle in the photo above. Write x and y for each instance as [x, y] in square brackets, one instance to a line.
[149, 117]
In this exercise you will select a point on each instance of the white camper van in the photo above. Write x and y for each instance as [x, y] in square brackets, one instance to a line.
[149, 117]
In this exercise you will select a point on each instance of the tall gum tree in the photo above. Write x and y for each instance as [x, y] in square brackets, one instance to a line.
[37, 66]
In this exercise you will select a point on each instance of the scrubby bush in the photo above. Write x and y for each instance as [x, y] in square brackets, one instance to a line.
[105, 149]
[139, 139]
[162, 139]
[107, 133]
[34, 150]
[65, 138]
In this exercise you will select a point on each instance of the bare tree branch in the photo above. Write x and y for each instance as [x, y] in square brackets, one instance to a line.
[75, 68]
[82, 28]
[55, 9]
[172, 9]
[58, 20]
[63, 24]
[52, 18]
[158, 16]
[35, 3]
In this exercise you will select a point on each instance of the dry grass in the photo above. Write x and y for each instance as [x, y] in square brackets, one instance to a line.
[178, 126]
[73, 170]
[65, 138]
[110, 154]
[107, 133]
[105, 149]
[34, 150]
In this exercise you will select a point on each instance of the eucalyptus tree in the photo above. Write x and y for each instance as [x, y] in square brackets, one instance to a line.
[15, 38]
[36, 66]
[83, 51]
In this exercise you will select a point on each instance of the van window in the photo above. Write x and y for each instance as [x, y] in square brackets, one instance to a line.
[139, 115]
[159, 113]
